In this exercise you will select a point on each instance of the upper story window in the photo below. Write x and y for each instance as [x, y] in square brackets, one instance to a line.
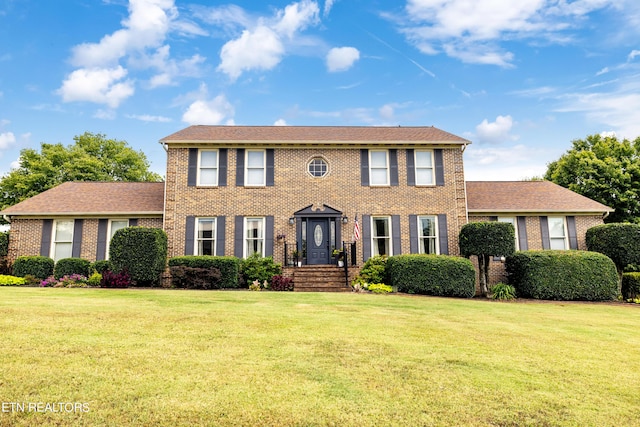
[425, 173]
[62, 242]
[381, 235]
[557, 232]
[378, 167]
[318, 167]
[255, 168]
[206, 236]
[427, 235]
[511, 220]
[208, 168]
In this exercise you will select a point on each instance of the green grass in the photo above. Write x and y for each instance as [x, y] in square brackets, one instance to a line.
[160, 357]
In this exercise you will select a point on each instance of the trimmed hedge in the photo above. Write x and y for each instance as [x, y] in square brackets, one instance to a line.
[631, 285]
[563, 275]
[141, 252]
[227, 265]
[69, 266]
[259, 268]
[102, 266]
[487, 238]
[618, 241]
[440, 275]
[4, 243]
[40, 267]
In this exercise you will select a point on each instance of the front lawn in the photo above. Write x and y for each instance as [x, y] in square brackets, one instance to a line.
[160, 357]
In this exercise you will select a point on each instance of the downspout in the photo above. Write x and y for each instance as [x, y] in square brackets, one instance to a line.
[6, 218]
[164, 199]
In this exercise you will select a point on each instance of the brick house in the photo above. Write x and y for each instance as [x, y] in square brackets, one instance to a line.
[236, 190]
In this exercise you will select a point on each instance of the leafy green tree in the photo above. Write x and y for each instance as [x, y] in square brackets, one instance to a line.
[92, 157]
[604, 169]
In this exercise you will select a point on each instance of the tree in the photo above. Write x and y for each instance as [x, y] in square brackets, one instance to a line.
[487, 239]
[604, 169]
[92, 157]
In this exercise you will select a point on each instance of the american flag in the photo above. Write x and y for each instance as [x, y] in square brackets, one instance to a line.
[356, 230]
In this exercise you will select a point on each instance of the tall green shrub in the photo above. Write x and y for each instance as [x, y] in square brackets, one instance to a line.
[259, 268]
[69, 266]
[631, 285]
[563, 275]
[227, 265]
[618, 241]
[40, 267]
[4, 243]
[440, 275]
[141, 252]
[373, 270]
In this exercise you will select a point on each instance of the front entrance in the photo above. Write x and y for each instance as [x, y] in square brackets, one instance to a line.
[318, 245]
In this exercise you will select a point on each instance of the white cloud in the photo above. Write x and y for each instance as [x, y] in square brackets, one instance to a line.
[512, 163]
[342, 58]
[495, 132]
[328, 4]
[633, 54]
[101, 86]
[262, 46]
[7, 139]
[280, 122]
[386, 112]
[149, 118]
[213, 112]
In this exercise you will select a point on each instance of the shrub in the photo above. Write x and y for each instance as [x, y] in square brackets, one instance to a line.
[259, 268]
[31, 280]
[503, 292]
[380, 288]
[73, 281]
[94, 280]
[630, 285]
[227, 266]
[38, 266]
[102, 266]
[115, 280]
[4, 243]
[563, 275]
[256, 286]
[281, 283]
[618, 241]
[373, 270]
[441, 275]
[194, 277]
[69, 266]
[142, 252]
[6, 280]
[49, 282]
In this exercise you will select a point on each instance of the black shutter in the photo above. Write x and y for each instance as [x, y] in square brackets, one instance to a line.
[76, 246]
[544, 230]
[396, 237]
[393, 169]
[364, 167]
[493, 218]
[411, 168]
[414, 239]
[220, 235]
[366, 236]
[133, 222]
[101, 248]
[572, 232]
[222, 167]
[268, 236]
[438, 158]
[240, 167]
[237, 236]
[270, 167]
[192, 170]
[443, 234]
[45, 240]
[523, 244]
[189, 235]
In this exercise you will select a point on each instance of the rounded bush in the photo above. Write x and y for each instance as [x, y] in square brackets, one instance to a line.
[40, 267]
[440, 275]
[618, 241]
[227, 265]
[631, 285]
[69, 266]
[487, 238]
[563, 275]
[141, 252]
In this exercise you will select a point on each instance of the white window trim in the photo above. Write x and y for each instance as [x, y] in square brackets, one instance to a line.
[373, 237]
[109, 237]
[264, 168]
[416, 167]
[196, 239]
[217, 168]
[52, 249]
[436, 235]
[244, 234]
[564, 230]
[514, 221]
[387, 183]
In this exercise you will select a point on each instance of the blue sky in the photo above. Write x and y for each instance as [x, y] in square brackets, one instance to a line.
[521, 79]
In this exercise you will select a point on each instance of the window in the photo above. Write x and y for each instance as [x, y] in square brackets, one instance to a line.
[115, 225]
[424, 167]
[427, 236]
[381, 235]
[254, 236]
[557, 233]
[511, 220]
[255, 168]
[378, 167]
[318, 167]
[62, 239]
[206, 236]
[208, 168]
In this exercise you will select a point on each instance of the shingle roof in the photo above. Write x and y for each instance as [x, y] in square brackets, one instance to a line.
[527, 196]
[313, 135]
[90, 198]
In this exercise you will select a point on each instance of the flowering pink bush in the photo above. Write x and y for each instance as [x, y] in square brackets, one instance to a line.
[68, 281]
